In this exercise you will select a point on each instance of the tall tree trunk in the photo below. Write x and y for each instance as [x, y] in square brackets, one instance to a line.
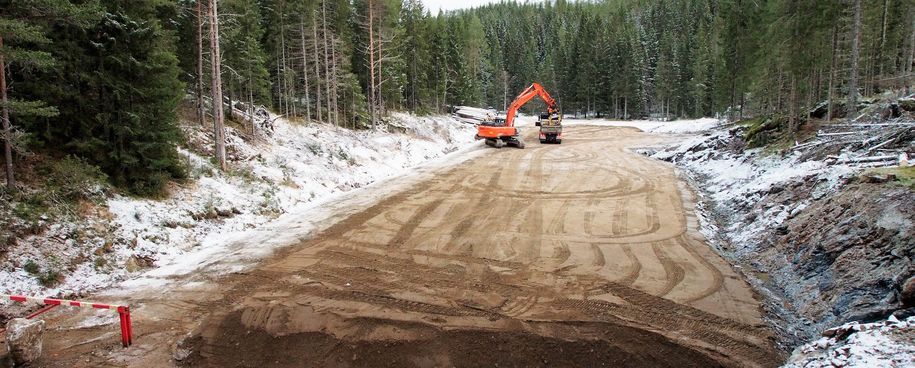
[280, 94]
[907, 71]
[201, 112]
[382, 108]
[792, 108]
[305, 67]
[327, 80]
[7, 131]
[335, 88]
[616, 107]
[372, 65]
[880, 50]
[218, 123]
[283, 80]
[414, 70]
[250, 108]
[855, 53]
[832, 73]
[314, 41]
[504, 90]
[288, 86]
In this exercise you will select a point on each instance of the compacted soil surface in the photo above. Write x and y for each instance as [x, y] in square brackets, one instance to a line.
[579, 254]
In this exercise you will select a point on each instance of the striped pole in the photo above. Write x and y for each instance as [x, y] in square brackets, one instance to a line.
[123, 311]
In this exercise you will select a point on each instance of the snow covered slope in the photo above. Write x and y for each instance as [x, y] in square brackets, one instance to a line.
[297, 168]
[889, 343]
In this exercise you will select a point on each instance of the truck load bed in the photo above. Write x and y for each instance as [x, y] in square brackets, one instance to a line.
[550, 128]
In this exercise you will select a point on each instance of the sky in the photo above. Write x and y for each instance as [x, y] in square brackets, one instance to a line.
[435, 5]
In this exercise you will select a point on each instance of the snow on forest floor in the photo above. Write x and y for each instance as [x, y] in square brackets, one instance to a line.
[297, 169]
[676, 126]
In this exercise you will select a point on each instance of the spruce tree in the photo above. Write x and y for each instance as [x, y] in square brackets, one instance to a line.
[23, 28]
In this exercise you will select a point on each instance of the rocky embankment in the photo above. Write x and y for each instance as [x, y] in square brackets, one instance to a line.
[825, 238]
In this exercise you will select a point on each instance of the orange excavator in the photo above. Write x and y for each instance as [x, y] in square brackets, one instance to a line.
[499, 132]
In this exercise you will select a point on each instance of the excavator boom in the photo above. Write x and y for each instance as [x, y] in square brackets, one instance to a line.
[535, 89]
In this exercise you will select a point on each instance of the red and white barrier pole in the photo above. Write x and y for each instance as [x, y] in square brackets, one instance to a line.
[123, 311]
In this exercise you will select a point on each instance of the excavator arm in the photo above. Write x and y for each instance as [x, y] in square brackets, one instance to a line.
[534, 90]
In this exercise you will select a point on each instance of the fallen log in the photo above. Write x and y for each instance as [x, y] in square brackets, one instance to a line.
[888, 141]
[847, 160]
[821, 134]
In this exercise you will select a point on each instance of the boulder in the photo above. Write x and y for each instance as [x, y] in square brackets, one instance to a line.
[908, 293]
[23, 339]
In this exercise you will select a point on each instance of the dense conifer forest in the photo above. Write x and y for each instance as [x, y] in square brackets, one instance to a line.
[104, 83]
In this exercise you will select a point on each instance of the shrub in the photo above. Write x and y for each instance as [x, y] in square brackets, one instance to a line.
[31, 267]
[72, 178]
[153, 185]
[50, 278]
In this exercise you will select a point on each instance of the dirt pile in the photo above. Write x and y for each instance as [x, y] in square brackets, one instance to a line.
[403, 344]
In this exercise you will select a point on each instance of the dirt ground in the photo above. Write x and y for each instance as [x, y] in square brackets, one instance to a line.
[580, 254]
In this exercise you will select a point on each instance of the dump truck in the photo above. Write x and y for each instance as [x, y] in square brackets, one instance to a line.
[550, 128]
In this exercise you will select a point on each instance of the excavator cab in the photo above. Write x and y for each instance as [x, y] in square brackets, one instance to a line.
[495, 122]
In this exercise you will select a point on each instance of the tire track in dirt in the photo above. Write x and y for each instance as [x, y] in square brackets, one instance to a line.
[620, 217]
[542, 245]
[674, 272]
[557, 223]
[599, 260]
[632, 273]
[410, 226]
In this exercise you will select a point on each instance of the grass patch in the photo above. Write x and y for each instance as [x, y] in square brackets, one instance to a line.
[773, 132]
[905, 176]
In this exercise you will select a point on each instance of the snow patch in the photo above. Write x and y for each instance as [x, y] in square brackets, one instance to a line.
[676, 126]
[889, 343]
